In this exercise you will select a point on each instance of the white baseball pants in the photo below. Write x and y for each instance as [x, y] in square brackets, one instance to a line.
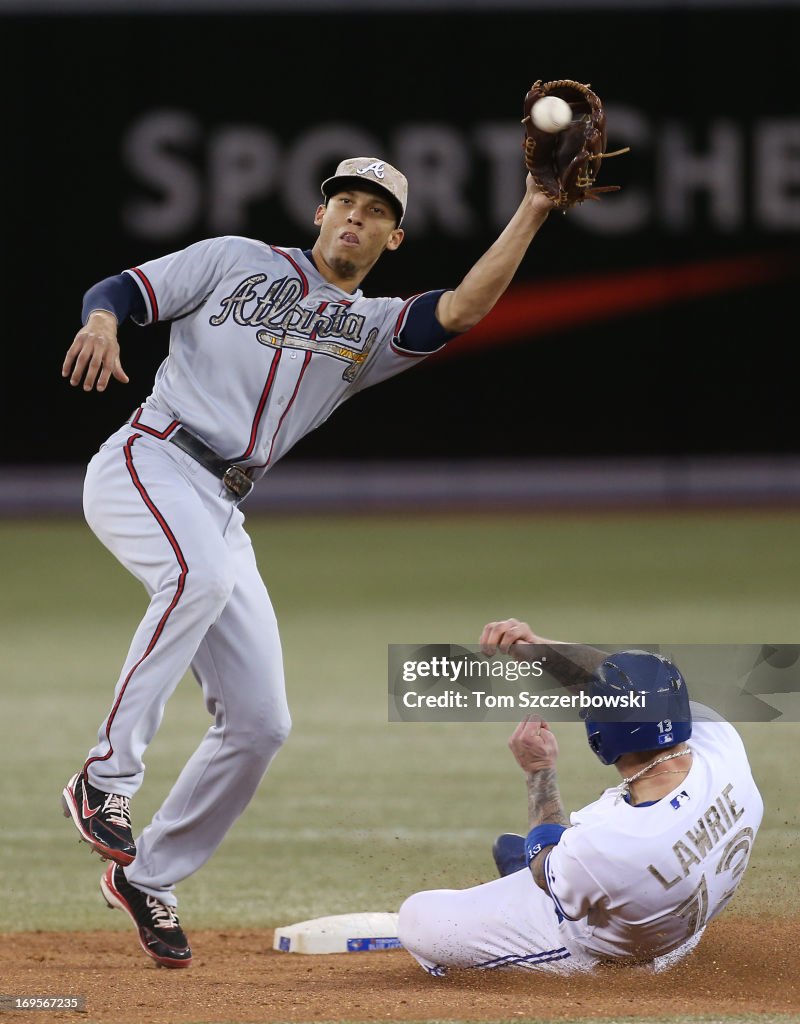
[506, 923]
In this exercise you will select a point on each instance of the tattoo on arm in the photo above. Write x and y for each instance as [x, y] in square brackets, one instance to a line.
[537, 868]
[572, 665]
[545, 806]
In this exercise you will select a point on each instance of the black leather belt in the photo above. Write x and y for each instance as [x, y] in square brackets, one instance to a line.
[234, 477]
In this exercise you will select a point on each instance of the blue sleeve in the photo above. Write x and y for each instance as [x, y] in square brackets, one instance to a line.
[118, 294]
[541, 836]
[421, 331]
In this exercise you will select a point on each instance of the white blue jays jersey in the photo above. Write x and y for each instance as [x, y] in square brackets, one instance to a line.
[262, 347]
[640, 881]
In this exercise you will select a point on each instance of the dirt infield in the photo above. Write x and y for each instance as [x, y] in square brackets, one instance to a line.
[742, 965]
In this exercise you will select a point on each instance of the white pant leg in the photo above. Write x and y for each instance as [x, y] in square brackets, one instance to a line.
[239, 666]
[508, 922]
[167, 527]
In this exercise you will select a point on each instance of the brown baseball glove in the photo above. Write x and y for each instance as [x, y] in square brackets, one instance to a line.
[565, 164]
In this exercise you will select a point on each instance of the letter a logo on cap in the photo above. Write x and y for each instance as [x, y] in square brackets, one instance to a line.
[378, 169]
[365, 168]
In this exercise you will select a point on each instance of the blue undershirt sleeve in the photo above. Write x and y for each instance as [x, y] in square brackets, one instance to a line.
[120, 295]
[421, 331]
[541, 836]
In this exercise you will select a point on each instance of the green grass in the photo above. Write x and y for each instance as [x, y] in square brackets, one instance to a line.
[357, 812]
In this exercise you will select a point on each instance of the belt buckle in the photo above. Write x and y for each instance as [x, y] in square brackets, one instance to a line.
[237, 481]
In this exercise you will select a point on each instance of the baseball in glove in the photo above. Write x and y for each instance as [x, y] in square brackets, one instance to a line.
[564, 164]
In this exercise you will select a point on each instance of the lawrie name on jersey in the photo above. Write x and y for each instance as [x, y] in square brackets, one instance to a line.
[713, 825]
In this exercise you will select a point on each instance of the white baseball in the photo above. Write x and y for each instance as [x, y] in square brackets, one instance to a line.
[551, 114]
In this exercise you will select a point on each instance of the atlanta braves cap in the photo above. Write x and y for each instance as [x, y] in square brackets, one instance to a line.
[356, 171]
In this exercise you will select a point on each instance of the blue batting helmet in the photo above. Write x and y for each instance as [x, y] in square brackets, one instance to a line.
[662, 719]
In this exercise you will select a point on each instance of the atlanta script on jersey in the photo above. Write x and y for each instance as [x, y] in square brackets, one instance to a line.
[295, 347]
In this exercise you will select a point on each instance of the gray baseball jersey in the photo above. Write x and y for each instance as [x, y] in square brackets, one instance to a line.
[293, 346]
[262, 350]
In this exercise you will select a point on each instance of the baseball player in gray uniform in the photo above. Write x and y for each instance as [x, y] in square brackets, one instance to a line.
[632, 878]
[265, 343]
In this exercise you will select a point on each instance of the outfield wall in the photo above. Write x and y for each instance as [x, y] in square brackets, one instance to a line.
[309, 487]
[652, 323]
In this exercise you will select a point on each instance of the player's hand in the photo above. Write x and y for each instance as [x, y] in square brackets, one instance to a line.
[540, 202]
[501, 636]
[93, 357]
[534, 745]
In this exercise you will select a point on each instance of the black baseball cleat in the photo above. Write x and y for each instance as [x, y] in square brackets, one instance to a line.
[102, 819]
[509, 853]
[160, 933]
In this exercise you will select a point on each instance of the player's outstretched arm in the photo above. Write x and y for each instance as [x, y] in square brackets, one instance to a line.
[466, 305]
[572, 665]
[93, 357]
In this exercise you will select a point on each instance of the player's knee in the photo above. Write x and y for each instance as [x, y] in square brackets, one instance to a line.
[210, 585]
[276, 731]
[412, 925]
[262, 730]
